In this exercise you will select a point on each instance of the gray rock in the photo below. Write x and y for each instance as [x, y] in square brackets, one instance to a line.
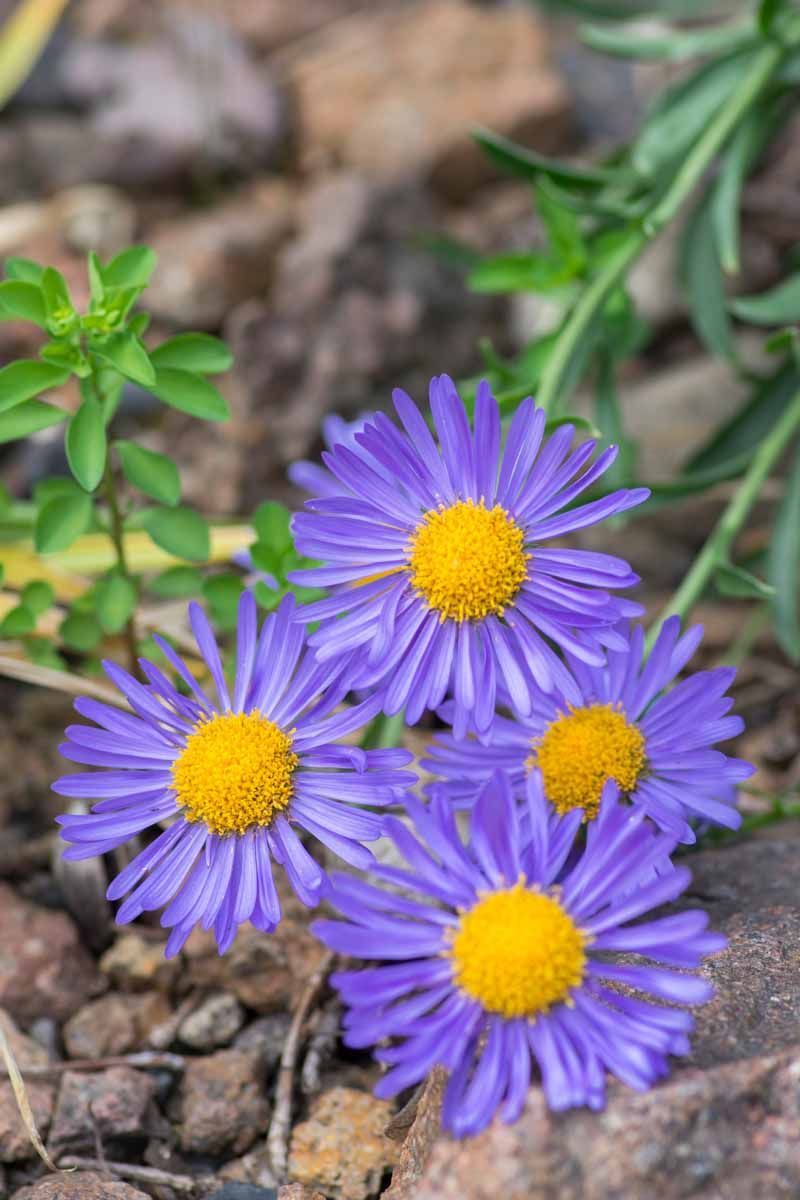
[214, 1023]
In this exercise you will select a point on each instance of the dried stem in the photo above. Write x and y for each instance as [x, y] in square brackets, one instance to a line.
[278, 1136]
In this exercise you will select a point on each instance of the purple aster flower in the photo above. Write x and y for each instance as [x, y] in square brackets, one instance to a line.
[436, 556]
[616, 721]
[313, 478]
[234, 776]
[495, 965]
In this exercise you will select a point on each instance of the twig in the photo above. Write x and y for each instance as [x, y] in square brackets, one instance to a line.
[320, 1048]
[200, 1184]
[144, 1061]
[21, 1097]
[278, 1136]
[60, 681]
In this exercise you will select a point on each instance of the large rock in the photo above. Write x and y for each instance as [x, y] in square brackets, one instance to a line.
[724, 1125]
[395, 92]
[44, 970]
[342, 1148]
[112, 1105]
[225, 1108]
[114, 1024]
[85, 1185]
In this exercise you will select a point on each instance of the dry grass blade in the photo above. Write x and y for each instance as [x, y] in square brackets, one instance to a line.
[21, 1097]
[22, 40]
[60, 681]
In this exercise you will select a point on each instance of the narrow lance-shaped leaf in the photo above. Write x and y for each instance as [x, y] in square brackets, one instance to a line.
[779, 306]
[125, 352]
[23, 302]
[26, 378]
[702, 274]
[198, 352]
[28, 418]
[85, 443]
[783, 564]
[61, 521]
[152, 473]
[733, 580]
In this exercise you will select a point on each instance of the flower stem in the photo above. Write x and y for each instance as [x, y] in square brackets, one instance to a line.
[687, 176]
[718, 544]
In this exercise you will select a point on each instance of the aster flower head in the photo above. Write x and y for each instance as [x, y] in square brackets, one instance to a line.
[438, 559]
[507, 957]
[235, 775]
[618, 722]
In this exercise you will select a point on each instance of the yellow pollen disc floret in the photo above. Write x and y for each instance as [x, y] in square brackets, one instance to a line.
[467, 560]
[581, 750]
[518, 953]
[235, 772]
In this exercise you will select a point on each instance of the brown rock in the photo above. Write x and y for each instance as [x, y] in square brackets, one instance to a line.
[265, 973]
[298, 1191]
[725, 1127]
[111, 1104]
[212, 261]
[114, 1024]
[395, 92]
[136, 965]
[342, 1148]
[225, 1108]
[44, 970]
[85, 1185]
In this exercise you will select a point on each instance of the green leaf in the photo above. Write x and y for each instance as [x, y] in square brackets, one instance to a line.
[80, 631]
[737, 436]
[22, 301]
[783, 565]
[527, 164]
[17, 622]
[61, 521]
[671, 46]
[609, 418]
[55, 486]
[745, 147]
[132, 268]
[85, 443]
[60, 312]
[702, 276]
[177, 581]
[37, 596]
[683, 111]
[139, 324]
[127, 354]
[524, 272]
[25, 378]
[767, 12]
[179, 531]
[190, 393]
[96, 284]
[731, 580]
[199, 352]
[27, 419]
[115, 601]
[267, 598]
[67, 356]
[24, 269]
[272, 522]
[41, 651]
[154, 474]
[562, 226]
[779, 306]
[222, 593]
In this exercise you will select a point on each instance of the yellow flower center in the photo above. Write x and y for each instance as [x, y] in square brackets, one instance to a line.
[235, 772]
[581, 750]
[468, 560]
[517, 952]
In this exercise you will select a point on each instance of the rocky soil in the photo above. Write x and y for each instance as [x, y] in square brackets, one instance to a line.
[306, 176]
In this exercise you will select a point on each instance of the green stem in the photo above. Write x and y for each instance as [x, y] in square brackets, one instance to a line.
[686, 178]
[117, 534]
[717, 547]
[384, 732]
